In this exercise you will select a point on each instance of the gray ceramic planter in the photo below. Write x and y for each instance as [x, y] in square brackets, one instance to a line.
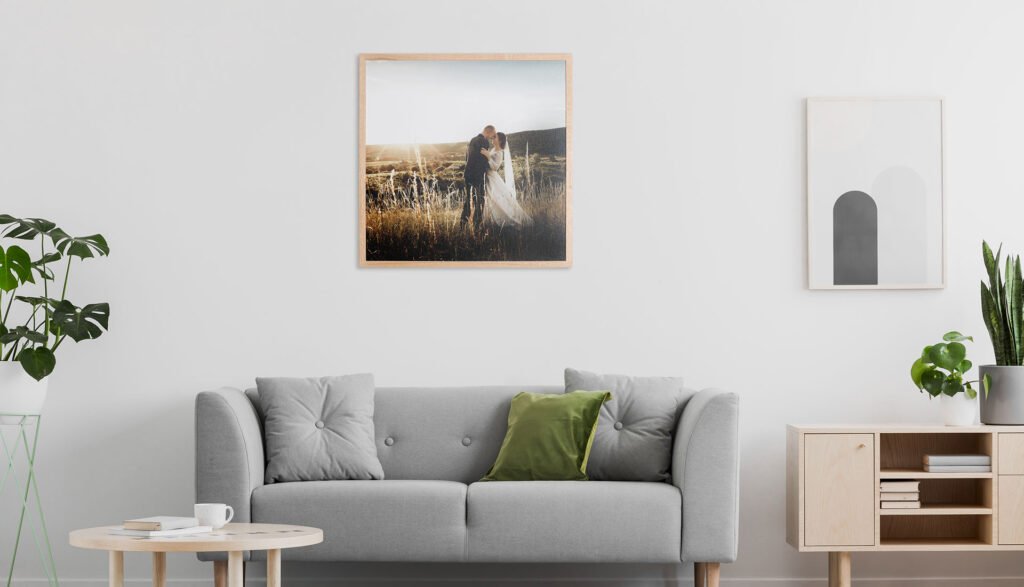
[1005, 401]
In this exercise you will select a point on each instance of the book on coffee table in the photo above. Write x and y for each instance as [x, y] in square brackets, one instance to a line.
[162, 533]
[160, 523]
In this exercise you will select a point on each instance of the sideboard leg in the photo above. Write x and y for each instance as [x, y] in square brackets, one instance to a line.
[700, 575]
[274, 567]
[236, 578]
[714, 570]
[220, 573]
[839, 569]
[115, 568]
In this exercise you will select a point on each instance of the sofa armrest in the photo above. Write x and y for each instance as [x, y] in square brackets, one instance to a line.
[229, 451]
[706, 469]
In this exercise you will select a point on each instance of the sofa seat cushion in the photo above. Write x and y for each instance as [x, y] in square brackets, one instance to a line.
[574, 521]
[370, 520]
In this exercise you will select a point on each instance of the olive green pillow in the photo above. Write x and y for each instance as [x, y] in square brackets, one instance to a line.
[549, 437]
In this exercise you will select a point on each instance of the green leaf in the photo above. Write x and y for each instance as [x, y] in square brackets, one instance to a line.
[986, 382]
[80, 324]
[82, 247]
[37, 362]
[989, 313]
[948, 355]
[964, 366]
[971, 393]
[25, 228]
[15, 268]
[954, 336]
[20, 332]
[41, 265]
[952, 387]
[932, 382]
[917, 370]
[926, 354]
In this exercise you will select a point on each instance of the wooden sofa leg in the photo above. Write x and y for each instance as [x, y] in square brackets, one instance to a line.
[700, 575]
[714, 570]
[220, 573]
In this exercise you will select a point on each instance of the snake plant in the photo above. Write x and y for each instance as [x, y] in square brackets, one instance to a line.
[1002, 306]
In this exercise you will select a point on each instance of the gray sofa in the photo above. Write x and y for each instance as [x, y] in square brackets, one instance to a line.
[436, 443]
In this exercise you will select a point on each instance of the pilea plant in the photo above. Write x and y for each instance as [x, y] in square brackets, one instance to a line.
[36, 316]
[942, 368]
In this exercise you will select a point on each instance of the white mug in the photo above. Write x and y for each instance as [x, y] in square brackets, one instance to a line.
[214, 515]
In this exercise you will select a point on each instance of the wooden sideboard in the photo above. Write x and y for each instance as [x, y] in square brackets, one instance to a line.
[833, 475]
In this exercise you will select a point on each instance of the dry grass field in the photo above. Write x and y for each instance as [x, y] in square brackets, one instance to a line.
[415, 194]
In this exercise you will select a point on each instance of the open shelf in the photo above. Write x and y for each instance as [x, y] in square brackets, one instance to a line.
[886, 474]
[940, 510]
[928, 544]
[903, 530]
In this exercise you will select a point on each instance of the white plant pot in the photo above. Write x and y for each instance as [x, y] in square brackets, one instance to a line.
[19, 393]
[959, 410]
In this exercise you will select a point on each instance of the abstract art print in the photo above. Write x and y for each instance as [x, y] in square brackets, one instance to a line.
[465, 160]
[875, 193]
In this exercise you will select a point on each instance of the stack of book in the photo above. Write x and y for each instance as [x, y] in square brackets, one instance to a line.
[161, 527]
[900, 495]
[957, 463]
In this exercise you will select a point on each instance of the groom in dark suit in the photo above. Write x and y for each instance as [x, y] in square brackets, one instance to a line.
[476, 170]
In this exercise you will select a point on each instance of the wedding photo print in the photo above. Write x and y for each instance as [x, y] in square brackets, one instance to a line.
[465, 160]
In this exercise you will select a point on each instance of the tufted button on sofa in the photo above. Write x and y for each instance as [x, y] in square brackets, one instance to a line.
[436, 443]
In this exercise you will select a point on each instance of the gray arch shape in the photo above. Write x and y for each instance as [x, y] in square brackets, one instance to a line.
[855, 240]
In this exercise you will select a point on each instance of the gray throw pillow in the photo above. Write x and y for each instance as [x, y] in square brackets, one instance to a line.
[319, 429]
[633, 441]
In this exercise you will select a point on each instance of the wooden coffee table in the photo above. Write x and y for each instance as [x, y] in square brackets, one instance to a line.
[233, 539]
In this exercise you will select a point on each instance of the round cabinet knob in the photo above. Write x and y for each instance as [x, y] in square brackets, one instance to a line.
[467, 441]
[862, 445]
[389, 441]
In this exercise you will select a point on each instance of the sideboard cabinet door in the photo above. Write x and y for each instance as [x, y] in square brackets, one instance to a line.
[839, 490]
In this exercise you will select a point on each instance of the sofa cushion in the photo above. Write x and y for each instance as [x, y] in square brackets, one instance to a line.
[319, 428]
[370, 520]
[574, 521]
[548, 438]
[634, 432]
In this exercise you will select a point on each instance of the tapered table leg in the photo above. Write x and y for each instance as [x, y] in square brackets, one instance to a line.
[236, 578]
[159, 569]
[115, 568]
[274, 568]
[839, 571]
[700, 575]
[714, 573]
[220, 573]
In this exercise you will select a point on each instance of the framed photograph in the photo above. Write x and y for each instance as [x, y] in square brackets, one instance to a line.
[465, 160]
[875, 193]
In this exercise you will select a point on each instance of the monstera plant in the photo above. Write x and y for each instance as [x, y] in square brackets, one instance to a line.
[36, 316]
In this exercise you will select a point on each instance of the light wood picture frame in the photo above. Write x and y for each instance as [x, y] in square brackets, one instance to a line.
[427, 197]
[876, 193]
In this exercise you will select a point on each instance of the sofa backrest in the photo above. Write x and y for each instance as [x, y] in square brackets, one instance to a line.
[446, 433]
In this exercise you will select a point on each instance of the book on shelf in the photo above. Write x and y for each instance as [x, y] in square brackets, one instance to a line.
[901, 505]
[900, 495]
[162, 533]
[159, 523]
[958, 468]
[957, 460]
[899, 486]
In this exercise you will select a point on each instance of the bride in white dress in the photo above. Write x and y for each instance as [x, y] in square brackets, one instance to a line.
[501, 206]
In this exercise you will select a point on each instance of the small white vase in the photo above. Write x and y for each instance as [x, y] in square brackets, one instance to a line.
[959, 410]
[19, 393]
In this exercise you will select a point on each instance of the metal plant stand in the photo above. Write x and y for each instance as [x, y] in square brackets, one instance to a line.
[16, 430]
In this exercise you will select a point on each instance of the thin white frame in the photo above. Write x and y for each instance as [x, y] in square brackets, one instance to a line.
[942, 182]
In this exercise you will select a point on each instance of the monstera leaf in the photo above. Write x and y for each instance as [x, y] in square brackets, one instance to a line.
[41, 265]
[37, 362]
[82, 247]
[80, 324]
[25, 228]
[20, 332]
[15, 268]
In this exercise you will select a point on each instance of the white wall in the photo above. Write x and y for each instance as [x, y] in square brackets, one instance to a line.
[214, 144]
